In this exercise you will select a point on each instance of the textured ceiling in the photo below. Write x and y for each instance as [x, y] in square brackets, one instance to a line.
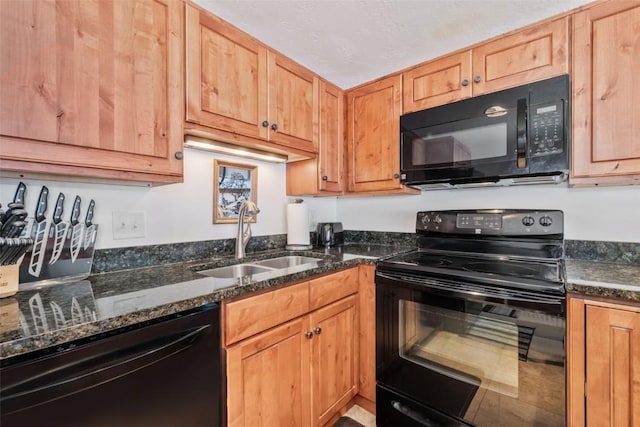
[349, 42]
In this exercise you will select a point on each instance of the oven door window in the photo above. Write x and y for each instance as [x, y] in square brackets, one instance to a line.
[510, 369]
[473, 349]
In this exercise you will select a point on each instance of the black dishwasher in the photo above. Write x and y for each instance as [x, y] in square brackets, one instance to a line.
[162, 373]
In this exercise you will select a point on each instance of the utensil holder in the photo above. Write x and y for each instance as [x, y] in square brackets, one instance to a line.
[12, 252]
[9, 275]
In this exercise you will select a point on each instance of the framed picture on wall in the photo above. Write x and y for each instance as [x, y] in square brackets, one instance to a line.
[233, 183]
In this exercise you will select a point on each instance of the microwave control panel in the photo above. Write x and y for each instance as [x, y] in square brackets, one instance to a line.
[546, 129]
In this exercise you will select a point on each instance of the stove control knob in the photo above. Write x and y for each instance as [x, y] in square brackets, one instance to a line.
[425, 220]
[545, 221]
[528, 221]
[437, 219]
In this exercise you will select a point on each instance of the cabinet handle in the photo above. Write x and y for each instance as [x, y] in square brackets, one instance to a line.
[308, 334]
[179, 155]
[325, 178]
[465, 82]
[265, 124]
[396, 175]
[477, 79]
[317, 330]
[274, 127]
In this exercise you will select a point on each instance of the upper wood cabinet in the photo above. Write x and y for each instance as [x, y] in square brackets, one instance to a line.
[532, 54]
[437, 82]
[604, 363]
[236, 87]
[606, 94]
[92, 89]
[325, 174]
[373, 135]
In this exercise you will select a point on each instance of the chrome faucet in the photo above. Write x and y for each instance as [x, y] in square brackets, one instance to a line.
[247, 210]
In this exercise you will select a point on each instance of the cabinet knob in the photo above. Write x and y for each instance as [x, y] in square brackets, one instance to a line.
[465, 82]
[325, 178]
[274, 127]
[396, 175]
[308, 334]
[318, 330]
[265, 124]
[179, 155]
[477, 79]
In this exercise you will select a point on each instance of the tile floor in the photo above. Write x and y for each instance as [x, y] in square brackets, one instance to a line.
[365, 418]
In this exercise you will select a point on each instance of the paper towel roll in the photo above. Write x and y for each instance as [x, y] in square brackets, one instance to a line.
[298, 225]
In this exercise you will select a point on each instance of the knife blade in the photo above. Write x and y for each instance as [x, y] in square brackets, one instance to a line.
[89, 232]
[39, 233]
[58, 229]
[76, 230]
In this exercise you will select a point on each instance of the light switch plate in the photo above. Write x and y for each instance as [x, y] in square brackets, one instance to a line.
[127, 225]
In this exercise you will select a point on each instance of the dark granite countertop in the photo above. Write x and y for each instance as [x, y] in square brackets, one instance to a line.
[52, 315]
[604, 279]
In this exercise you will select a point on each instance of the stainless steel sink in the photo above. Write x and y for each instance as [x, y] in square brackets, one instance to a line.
[287, 261]
[237, 270]
[257, 267]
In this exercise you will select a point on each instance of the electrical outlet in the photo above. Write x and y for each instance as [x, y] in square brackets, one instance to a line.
[128, 225]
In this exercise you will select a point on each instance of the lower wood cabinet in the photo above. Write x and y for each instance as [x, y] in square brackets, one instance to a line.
[603, 363]
[334, 361]
[303, 371]
[268, 378]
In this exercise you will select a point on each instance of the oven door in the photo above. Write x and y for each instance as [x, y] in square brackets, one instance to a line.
[470, 356]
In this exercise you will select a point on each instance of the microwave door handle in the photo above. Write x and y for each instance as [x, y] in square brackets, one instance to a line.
[521, 127]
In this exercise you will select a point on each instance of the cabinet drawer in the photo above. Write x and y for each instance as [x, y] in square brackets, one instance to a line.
[327, 289]
[250, 316]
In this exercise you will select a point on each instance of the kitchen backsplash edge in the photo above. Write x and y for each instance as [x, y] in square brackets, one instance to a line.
[603, 251]
[115, 259]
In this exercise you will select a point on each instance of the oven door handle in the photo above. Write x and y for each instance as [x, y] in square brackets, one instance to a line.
[547, 303]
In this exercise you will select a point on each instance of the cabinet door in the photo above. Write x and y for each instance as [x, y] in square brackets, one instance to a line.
[293, 104]
[373, 135]
[226, 73]
[529, 55]
[606, 94]
[612, 367]
[334, 358]
[331, 150]
[268, 378]
[437, 82]
[367, 332]
[91, 88]
[324, 174]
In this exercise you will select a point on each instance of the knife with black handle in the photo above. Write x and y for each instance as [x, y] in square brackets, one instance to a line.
[13, 222]
[58, 229]
[76, 229]
[19, 196]
[89, 232]
[39, 233]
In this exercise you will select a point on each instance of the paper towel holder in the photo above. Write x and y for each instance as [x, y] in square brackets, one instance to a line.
[297, 247]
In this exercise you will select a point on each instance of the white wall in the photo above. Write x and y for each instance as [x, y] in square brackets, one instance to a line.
[599, 213]
[175, 212]
[183, 212]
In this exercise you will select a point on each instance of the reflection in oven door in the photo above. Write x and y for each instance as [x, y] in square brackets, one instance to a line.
[483, 364]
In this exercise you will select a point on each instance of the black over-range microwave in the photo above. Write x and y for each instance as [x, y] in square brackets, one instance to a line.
[516, 136]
